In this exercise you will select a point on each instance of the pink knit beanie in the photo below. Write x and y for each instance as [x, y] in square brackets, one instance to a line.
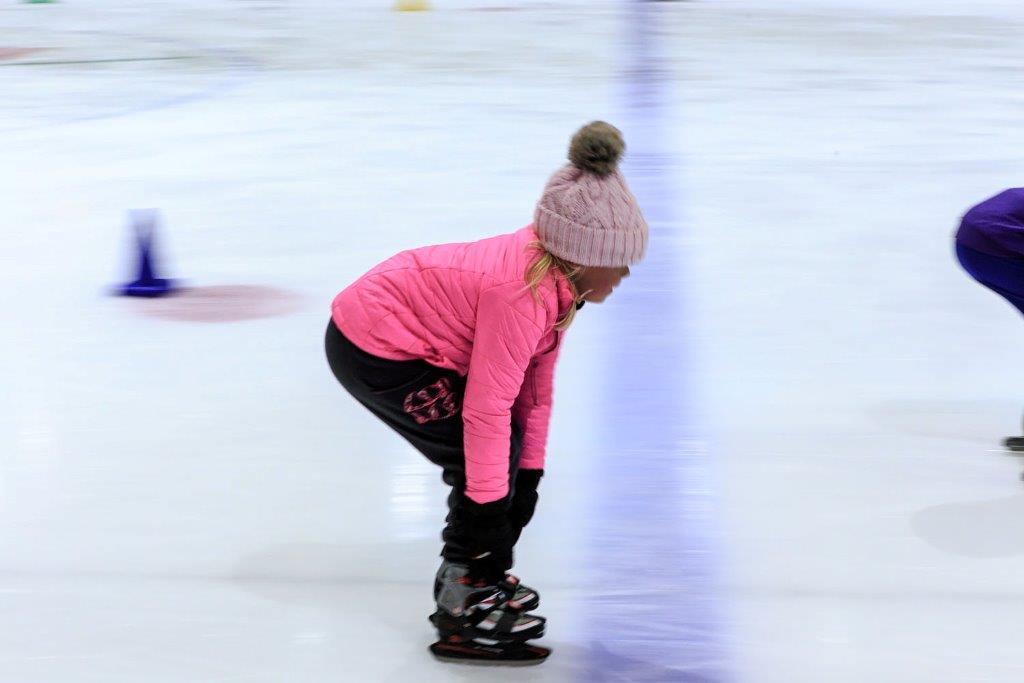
[587, 215]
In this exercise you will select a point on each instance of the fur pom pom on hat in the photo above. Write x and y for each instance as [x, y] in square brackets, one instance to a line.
[587, 215]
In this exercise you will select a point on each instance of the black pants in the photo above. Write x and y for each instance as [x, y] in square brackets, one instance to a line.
[423, 403]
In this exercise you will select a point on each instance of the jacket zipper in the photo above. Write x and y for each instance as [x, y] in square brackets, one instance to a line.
[533, 382]
[533, 371]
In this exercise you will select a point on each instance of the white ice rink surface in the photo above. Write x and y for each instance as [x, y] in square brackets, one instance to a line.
[200, 502]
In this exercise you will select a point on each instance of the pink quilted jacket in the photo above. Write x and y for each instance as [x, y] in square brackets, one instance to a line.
[466, 307]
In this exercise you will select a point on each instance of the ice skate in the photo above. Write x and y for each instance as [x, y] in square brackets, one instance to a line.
[481, 623]
[1014, 444]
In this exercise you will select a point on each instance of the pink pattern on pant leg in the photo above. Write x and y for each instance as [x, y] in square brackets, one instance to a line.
[432, 403]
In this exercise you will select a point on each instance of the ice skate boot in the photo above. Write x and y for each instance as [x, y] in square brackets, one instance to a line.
[478, 622]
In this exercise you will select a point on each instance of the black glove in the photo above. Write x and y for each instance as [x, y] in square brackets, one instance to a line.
[524, 502]
[486, 526]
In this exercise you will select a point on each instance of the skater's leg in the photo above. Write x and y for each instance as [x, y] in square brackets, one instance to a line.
[420, 402]
[423, 404]
[456, 547]
[482, 613]
[493, 569]
[1002, 275]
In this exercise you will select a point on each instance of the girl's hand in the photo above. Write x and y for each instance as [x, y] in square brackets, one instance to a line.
[524, 502]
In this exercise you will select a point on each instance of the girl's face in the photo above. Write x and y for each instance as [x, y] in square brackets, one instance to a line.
[596, 284]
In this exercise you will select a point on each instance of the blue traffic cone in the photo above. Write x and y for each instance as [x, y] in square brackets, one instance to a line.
[147, 284]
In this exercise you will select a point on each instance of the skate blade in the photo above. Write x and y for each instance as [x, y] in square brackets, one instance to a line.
[525, 655]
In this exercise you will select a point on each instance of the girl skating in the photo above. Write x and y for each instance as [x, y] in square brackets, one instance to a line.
[454, 347]
[990, 247]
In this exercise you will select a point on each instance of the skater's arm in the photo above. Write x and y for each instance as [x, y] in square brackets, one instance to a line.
[509, 328]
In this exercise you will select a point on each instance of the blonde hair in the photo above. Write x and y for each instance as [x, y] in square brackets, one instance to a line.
[539, 269]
